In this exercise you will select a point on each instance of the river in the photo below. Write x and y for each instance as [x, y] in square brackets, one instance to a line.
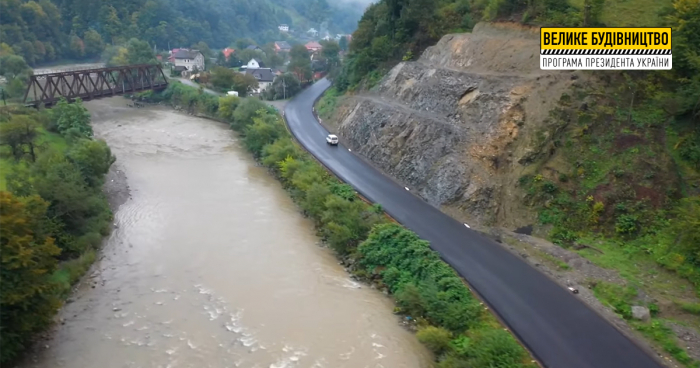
[212, 265]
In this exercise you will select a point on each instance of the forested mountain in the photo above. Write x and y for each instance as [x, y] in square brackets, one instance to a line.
[47, 30]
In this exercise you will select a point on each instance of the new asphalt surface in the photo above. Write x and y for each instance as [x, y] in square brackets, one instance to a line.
[561, 331]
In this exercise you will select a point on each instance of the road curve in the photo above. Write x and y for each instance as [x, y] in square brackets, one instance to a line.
[560, 330]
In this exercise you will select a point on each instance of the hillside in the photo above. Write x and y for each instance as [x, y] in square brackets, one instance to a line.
[604, 165]
[47, 31]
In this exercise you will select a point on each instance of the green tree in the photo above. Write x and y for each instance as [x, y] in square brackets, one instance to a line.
[264, 130]
[227, 107]
[343, 43]
[138, 52]
[115, 55]
[222, 78]
[20, 132]
[299, 52]
[330, 52]
[110, 22]
[93, 158]
[27, 298]
[494, 348]
[77, 47]
[435, 338]
[245, 112]
[72, 119]
[244, 84]
[93, 43]
[284, 86]
[12, 66]
[686, 225]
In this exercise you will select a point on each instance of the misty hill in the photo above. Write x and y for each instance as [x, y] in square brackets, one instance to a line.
[47, 30]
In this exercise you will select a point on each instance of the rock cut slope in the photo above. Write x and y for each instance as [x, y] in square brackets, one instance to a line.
[461, 123]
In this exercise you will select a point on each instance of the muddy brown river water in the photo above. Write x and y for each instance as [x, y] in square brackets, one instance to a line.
[211, 265]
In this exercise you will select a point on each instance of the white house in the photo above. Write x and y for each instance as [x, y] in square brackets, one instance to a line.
[265, 77]
[190, 59]
[283, 28]
[255, 64]
[312, 32]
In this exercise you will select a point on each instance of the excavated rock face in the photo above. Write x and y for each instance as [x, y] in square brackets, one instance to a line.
[460, 124]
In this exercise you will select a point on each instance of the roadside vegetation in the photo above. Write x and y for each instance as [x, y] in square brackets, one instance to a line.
[326, 105]
[53, 214]
[449, 320]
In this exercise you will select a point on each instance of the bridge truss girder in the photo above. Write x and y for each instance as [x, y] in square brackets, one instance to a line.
[90, 84]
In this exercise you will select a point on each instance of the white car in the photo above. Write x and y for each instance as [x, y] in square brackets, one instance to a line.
[332, 139]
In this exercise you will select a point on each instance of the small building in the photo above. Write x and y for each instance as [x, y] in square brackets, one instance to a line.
[283, 28]
[313, 46]
[313, 32]
[255, 64]
[228, 52]
[282, 46]
[179, 69]
[265, 77]
[190, 59]
[253, 47]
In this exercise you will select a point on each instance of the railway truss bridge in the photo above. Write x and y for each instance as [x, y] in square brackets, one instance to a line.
[89, 84]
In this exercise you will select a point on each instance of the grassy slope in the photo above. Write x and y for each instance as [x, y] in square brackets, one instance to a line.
[630, 13]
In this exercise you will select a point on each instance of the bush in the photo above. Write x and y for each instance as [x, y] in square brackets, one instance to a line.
[494, 348]
[437, 339]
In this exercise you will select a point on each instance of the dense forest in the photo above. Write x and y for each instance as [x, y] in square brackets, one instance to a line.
[44, 31]
[53, 213]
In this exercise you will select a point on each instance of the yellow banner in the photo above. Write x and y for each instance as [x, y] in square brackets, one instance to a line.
[573, 38]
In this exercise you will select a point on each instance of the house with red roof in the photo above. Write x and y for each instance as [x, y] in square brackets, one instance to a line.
[282, 46]
[313, 46]
[228, 52]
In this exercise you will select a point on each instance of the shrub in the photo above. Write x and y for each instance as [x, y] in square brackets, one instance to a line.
[437, 339]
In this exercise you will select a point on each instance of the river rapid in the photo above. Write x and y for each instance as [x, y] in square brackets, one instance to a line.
[211, 265]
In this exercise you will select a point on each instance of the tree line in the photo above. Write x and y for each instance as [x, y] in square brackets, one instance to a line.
[53, 214]
[50, 30]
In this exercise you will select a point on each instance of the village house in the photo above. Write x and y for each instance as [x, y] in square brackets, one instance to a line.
[283, 28]
[313, 46]
[282, 46]
[264, 76]
[228, 52]
[190, 59]
[255, 64]
[313, 32]
[253, 47]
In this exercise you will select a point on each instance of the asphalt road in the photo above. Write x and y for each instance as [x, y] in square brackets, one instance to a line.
[560, 330]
